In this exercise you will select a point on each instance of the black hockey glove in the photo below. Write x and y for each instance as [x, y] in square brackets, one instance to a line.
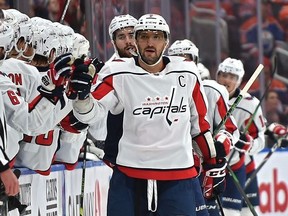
[80, 83]
[214, 182]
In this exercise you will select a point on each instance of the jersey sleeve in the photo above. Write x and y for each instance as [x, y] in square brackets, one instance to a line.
[200, 126]
[36, 117]
[4, 161]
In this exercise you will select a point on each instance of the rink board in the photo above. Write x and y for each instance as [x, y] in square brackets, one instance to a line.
[59, 193]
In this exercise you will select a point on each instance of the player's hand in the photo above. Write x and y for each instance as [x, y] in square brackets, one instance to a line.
[275, 131]
[62, 66]
[80, 82]
[222, 144]
[245, 143]
[10, 182]
[214, 182]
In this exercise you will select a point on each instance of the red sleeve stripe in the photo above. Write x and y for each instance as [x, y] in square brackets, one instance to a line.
[205, 142]
[222, 108]
[200, 107]
[104, 88]
[253, 130]
[33, 103]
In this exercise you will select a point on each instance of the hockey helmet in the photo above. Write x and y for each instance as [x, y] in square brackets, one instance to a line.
[6, 39]
[120, 22]
[152, 22]
[80, 46]
[45, 40]
[233, 66]
[182, 47]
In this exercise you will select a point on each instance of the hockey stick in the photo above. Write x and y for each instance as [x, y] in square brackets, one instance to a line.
[253, 175]
[64, 11]
[217, 129]
[220, 205]
[83, 179]
[240, 189]
[248, 181]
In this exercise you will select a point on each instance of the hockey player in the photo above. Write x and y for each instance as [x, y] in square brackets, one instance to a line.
[121, 32]
[38, 152]
[230, 73]
[36, 117]
[154, 170]
[7, 176]
[217, 96]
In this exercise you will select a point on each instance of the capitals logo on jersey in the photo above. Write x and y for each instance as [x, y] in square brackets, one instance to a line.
[160, 106]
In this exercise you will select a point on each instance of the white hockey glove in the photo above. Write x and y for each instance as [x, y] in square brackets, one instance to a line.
[223, 144]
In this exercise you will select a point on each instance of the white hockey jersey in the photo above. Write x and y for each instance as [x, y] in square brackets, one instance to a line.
[218, 98]
[26, 79]
[242, 113]
[28, 112]
[161, 113]
[38, 152]
[4, 160]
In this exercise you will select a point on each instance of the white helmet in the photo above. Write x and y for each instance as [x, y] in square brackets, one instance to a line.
[68, 38]
[45, 39]
[203, 71]
[233, 66]
[6, 38]
[182, 47]
[25, 25]
[80, 46]
[58, 29]
[152, 22]
[40, 21]
[120, 22]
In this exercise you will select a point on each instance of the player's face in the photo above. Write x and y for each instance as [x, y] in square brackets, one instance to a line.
[150, 45]
[229, 80]
[124, 42]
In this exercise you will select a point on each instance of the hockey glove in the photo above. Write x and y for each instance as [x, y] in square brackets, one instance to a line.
[214, 178]
[80, 82]
[244, 144]
[275, 131]
[62, 66]
[223, 144]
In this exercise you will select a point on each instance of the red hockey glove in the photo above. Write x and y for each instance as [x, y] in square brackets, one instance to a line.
[214, 178]
[244, 144]
[275, 131]
[223, 144]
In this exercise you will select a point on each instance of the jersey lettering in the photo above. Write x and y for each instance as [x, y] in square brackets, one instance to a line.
[13, 97]
[42, 139]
